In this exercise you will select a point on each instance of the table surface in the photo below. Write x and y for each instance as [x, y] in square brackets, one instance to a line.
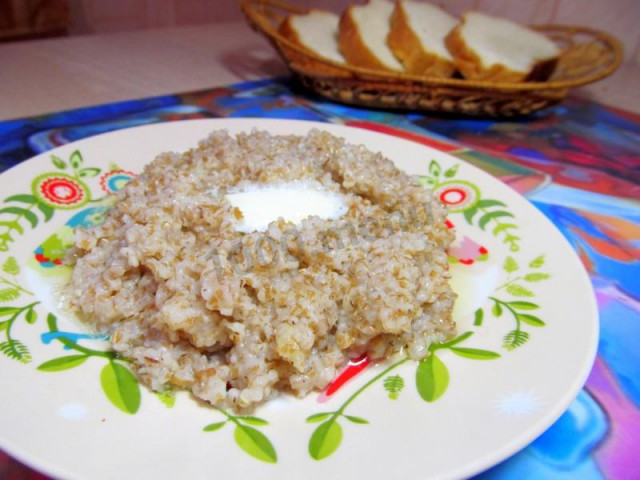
[44, 76]
[578, 163]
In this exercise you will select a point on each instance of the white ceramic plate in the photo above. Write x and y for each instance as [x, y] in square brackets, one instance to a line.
[71, 411]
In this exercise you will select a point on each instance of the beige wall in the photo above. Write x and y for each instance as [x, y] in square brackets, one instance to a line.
[619, 17]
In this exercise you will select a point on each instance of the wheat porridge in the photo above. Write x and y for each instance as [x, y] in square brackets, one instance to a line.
[198, 297]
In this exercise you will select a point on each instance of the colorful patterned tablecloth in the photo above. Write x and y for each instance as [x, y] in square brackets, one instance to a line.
[579, 163]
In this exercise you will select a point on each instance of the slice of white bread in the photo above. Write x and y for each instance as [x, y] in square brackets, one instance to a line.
[417, 34]
[316, 31]
[362, 36]
[496, 49]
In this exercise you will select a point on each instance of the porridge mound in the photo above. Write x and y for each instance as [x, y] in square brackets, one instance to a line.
[237, 317]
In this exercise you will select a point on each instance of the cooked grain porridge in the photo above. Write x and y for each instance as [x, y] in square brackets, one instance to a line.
[238, 317]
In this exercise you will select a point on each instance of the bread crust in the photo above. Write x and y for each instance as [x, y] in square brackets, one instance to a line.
[353, 48]
[286, 30]
[470, 64]
[406, 46]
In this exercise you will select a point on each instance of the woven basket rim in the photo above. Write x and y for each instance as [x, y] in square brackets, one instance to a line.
[263, 24]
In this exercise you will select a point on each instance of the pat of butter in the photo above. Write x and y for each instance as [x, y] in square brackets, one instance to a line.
[263, 204]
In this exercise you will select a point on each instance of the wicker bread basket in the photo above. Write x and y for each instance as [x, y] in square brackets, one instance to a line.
[588, 55]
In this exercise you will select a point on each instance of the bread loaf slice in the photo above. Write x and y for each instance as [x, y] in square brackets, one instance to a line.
[362, 36]
[417, 34]
[316, 31]
[496, 49]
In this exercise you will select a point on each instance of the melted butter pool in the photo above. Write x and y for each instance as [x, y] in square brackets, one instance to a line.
[295, 201]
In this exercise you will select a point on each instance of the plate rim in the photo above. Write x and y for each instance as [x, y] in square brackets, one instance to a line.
[246, 124]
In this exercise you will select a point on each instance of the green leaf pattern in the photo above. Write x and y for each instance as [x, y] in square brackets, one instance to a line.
[9, 294]
[19, 209]
[510, 264]
[318, 417]
[15, 350]
[249, 439]
[432, 378]
[434, 169]
[475, 353]
[537, 262]
[63, 363]
[89, 172]
[255, 443]
[250, 420]
[358, 420]
[493, 212]
[11, 291]
[325, 440]
[518, 309]
[121, 387]
[167, 397]
[31, 316]
[75, 160]
[11, 267]
[393, 385]
[58, 162]
[451, 172]
[518, 290]
[212, 427]
[514, 339]
[535, 277]
[478, 317]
